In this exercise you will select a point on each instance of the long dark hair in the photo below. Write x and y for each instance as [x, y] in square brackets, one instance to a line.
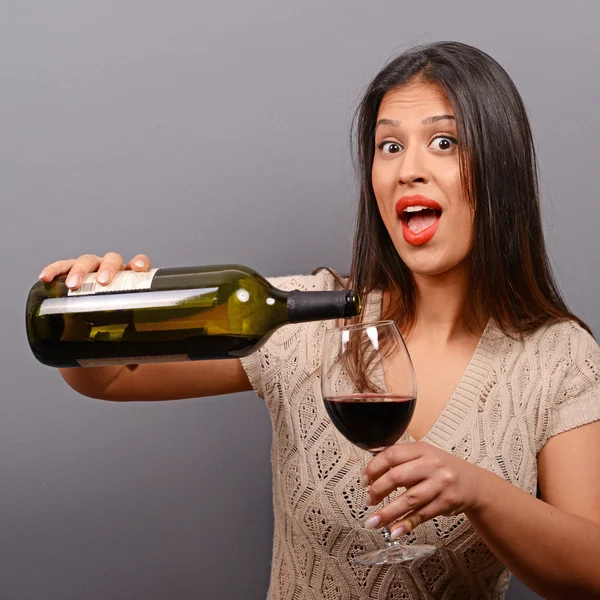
[511, 277]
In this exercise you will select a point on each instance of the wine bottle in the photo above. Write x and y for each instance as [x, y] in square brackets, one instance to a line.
[168, 314]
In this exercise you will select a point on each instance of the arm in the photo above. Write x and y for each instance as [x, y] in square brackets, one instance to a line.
[552, 546]
[159, 381]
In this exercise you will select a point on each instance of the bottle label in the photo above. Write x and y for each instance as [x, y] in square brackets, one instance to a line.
[87, 303]
[131, 360]
[124, 281]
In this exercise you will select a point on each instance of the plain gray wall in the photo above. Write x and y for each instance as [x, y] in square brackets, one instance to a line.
[215, 132]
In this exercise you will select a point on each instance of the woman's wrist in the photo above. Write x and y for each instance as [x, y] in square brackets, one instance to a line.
[488, 491]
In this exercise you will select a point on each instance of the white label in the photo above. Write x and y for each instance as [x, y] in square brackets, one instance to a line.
[131, 360]
[124, 281]
[102, 302]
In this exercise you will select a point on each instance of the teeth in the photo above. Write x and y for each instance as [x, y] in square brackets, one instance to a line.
[414, 208]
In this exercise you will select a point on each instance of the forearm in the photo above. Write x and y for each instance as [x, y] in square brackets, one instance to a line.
[555, 553]
[91, 381]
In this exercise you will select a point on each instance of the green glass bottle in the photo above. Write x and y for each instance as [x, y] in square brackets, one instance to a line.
[168, 314]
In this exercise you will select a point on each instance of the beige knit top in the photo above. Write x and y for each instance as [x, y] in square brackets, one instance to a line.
[512, 397]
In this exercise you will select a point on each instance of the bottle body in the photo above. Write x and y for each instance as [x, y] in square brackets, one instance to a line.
[183, 313]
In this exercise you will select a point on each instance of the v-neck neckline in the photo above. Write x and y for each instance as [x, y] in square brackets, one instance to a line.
[467, 391]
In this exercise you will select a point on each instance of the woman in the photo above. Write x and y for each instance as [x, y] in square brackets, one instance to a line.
[449, 244]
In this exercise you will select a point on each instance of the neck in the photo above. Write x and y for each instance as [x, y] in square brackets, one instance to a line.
[443, 314]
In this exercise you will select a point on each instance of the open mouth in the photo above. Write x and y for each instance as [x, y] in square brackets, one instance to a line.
[419, 218]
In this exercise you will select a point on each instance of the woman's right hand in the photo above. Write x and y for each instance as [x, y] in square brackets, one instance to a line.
[107, 267]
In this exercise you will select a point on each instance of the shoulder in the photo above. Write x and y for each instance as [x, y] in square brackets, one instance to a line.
[552, 376]
[564, 343]
[546, 356]
[322, 280]
[573, 374]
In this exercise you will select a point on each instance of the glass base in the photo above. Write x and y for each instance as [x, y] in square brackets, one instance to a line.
[394, 553]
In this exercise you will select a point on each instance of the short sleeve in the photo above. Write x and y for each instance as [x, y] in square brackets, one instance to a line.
[268, 366]
[577, 402]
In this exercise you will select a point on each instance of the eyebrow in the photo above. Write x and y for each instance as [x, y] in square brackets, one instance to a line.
[427, 121]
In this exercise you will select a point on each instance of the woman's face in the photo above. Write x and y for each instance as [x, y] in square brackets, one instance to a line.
[416, 180]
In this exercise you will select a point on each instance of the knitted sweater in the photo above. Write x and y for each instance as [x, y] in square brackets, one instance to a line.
[512, 397]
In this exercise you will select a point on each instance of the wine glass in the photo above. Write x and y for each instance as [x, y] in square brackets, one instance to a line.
[369, 389]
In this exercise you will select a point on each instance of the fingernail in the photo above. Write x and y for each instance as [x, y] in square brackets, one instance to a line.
[369, 500]
[396, 533]
[73, 281]
[372, 522]
[42, 274]
[364, 481]
[103, 277]
[139, 263]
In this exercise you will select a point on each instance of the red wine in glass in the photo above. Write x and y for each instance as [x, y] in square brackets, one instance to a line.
[371, 421]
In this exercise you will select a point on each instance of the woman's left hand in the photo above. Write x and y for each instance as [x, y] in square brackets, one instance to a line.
[436, 482]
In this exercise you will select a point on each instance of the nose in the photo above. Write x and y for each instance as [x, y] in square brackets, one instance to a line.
[411, 167]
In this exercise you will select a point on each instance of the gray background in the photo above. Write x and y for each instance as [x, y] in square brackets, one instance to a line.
[199, 133]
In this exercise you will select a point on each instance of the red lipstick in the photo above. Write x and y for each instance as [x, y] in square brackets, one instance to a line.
[422, 237]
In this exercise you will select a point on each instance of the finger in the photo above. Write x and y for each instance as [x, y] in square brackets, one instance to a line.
[111, 264]
[410, 501]
[416, 518]
[139, 262]
[405, 475]
[392, 456]
[59, 267]
[85, 264]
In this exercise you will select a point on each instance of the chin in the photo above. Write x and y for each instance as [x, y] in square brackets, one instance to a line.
[428, 262]
[428, 270]
[433, 267]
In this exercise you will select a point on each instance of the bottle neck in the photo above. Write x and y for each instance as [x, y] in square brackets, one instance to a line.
[320, 306]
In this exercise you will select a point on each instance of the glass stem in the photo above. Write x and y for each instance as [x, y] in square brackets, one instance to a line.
[386, 529]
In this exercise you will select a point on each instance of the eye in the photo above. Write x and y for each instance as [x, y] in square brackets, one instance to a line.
[444, 143]
[390, 147]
